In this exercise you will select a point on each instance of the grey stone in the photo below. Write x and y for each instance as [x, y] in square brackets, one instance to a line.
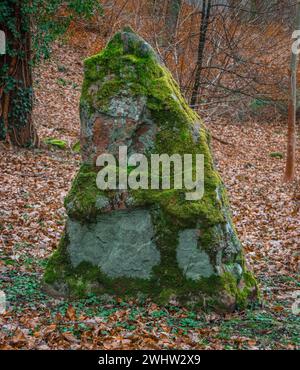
[126, 121]
[130, 99]
[194, 262]
[235, 269]
[136, 45]
[102, 202]
[126, 105]
[121, 243]
[196, 132]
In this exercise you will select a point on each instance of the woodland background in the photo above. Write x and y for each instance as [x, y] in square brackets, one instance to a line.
[232, 61]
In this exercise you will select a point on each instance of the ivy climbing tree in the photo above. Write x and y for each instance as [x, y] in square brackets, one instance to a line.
[29, 26]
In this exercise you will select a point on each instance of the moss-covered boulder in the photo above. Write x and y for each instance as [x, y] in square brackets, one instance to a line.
[153, 242]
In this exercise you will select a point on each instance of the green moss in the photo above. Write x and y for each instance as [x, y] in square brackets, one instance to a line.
[128, 67]
[58, 143]
[168, 279]
[244, 289]
[138, 72]
[277, 155]
[249, 292]
[81, 201]
[76, 147]
[165, 296]
[86, 279]
[57, 263]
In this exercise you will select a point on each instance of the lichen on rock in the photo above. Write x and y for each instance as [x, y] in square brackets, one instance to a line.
[146, 241]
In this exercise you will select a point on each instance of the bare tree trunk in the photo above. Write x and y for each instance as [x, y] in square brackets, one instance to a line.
[291, 138]
[16, 93]
[171, 20]
[206, 8]
[155, 7]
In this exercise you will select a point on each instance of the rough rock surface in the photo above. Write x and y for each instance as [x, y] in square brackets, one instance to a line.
[121, 243]
[145, 241]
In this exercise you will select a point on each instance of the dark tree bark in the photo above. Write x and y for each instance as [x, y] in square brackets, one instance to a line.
[155, 7]
[206, 8]
[16, 93]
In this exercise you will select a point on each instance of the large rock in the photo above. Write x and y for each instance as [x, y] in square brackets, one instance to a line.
[145, 241]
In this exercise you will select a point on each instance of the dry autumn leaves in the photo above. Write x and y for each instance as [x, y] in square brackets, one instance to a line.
[250, 158]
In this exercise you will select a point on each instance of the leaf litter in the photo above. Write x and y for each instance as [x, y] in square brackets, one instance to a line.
[34, 184]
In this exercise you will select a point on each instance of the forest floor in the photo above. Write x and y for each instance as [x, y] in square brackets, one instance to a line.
[33, 185]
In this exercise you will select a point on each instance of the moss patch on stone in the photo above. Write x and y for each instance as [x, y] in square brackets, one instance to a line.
[82, 198]
[167, 282]
[221, 292]
[136, 71]
[129, 67]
